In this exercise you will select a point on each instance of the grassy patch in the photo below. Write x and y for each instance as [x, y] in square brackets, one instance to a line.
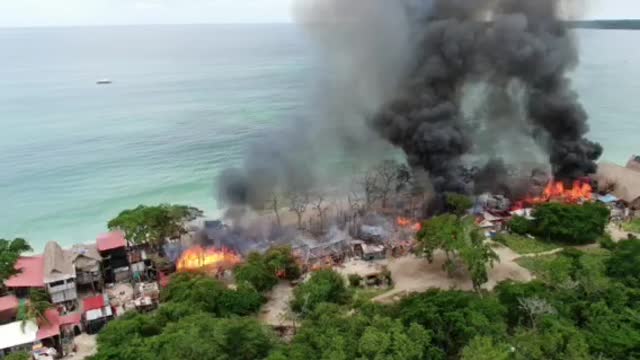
[560, 268]
[364, 295]
[633, 226]
[525, 245]
[547, 267]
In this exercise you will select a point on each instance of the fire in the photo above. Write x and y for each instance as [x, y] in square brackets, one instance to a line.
[408, 223]
[198, 258]
[579, 192]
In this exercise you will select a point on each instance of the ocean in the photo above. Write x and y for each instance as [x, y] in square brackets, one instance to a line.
[184, 104]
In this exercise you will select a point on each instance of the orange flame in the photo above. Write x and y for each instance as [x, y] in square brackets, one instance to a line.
[198, 258]
[580, 191]
[408, 223]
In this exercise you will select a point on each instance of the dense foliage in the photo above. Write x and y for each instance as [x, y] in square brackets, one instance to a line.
[154, 224]
[624, 265]
[202, 293]
[324, 286]
[329, 333]
[568, 223]
[198, 320]
[519, 225]
[10, 251]
[584, 305]
[18, 356]
[263, 271]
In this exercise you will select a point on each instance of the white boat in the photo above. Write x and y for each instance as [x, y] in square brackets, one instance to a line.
[103, 82]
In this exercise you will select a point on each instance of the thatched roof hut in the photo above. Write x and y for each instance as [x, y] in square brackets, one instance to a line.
[623, 182]
[57, 263]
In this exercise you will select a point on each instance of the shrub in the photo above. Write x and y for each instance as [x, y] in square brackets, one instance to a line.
[323, 286]
[355, 280]
[520, 225]
[256, 272]
[606, 242]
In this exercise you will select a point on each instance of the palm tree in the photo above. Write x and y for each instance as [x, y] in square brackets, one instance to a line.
[36, 307]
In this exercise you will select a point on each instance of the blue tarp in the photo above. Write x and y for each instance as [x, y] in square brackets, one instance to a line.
[607, 199]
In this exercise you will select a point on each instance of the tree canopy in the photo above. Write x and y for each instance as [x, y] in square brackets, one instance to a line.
[324, 286]
[624, 264]
[154, 224]
[208, 295]
[569, 223]
[329, 333]
[10, 251]
[263, 270]
[460, 239]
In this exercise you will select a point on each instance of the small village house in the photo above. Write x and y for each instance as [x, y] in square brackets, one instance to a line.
[59, 275]
[30, 276]
[112, 247]
[16, 337]
[86, 259]
[49, 331]
[97, 312]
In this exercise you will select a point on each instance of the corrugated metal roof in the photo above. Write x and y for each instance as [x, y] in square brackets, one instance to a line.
[111, 240]
[51, 327]
[13, 334]
[93, 303]
[31, 273]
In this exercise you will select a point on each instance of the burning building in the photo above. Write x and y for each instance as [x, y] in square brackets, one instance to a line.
[211, 260]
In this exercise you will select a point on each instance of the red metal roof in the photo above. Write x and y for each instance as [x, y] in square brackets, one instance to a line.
[51, 327]
[31, 273]
[9, 302]
[111, 240]
[71, 319]
[8, 308]
[93, 303]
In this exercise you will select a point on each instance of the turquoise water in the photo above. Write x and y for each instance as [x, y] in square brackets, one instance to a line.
[184, 103]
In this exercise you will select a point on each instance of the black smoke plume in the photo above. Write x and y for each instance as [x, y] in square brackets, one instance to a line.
[500, 43]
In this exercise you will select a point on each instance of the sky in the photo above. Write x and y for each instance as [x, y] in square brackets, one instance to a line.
[120, 12]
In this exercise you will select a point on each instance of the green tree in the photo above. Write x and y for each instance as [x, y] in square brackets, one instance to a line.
[39, 302]
[486, 348]
[440, 232]
[453, 317]
[329, 333]
[204, 337]
[624, 263]
[553, 340]
[459, 238]
[154, 224]
[257, 272]
[282, 262]
[458, 204]
[208, 295]
[10, 251]
[323, 286]
[520, 225]
[570, 224]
